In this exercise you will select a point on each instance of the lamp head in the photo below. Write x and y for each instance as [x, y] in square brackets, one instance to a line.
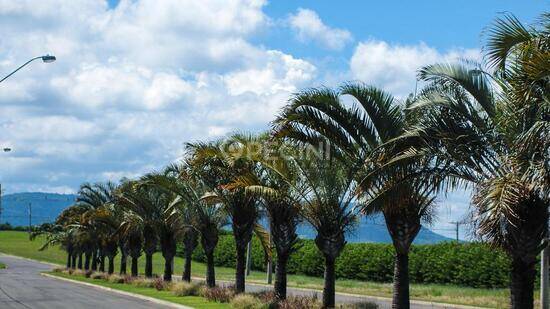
[48, 58]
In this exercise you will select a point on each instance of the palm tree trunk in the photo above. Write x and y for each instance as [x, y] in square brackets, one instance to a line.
[187, 267]
[280, 276]
[401, 282]
[330, 280]
[102, 263]
[210, 271]
[522, 284]
[69, 255]
[168, 268]
[148, 265]
[87, 257]
[80, 260]
[73, 261]
[94, 260]
[111, 265]
[241, 268]
[123, 260]
[134, 266]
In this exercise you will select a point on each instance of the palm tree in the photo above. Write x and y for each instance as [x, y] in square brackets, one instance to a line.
[177, 181]
[224, 166]
[167, 219]
[361, 135]
[95, 199]
[491, 130]
[208, 215]
[141, 220]
[274, 183]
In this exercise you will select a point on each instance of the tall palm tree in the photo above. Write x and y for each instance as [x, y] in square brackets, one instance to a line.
[491, 130]
[95, 199]
[224, 166]
[142, 218]
[168, 219]
[325, 188]
[361, 134]
[274, 183]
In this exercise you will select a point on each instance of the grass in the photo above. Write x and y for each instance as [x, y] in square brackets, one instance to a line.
[191, 301]
[17, 243]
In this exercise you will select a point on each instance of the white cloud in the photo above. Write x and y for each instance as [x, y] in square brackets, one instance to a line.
[131, 85]
[394, 67]
[309, 27]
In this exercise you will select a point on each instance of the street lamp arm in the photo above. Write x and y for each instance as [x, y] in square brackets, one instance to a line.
[46, 58]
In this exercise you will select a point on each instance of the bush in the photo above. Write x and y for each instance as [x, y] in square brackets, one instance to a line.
[143, 283]
[247, 301]
[115, 278]
[300, 302]
[98, 276]
[186, 289]
[466, 264]
[365, 305]
[219, 294]
[160, 285]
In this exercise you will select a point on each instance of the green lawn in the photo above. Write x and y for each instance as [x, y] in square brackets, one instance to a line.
[17, 243]
[191, 301]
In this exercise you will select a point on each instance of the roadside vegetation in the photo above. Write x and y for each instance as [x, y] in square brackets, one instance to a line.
[2, 266]
[327, 161]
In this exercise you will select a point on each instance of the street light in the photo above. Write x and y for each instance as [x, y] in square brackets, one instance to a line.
[45, 59]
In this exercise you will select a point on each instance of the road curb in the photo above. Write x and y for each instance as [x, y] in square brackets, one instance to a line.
[147, 298]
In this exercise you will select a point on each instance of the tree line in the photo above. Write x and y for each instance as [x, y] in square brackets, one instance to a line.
[334, 154]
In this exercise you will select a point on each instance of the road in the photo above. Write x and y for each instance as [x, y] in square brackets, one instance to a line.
[22, 287]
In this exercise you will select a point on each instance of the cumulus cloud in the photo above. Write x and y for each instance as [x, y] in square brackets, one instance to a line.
[131, 85]
[394, 67]
[308, 26]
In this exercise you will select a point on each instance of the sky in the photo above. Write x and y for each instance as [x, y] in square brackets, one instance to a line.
[135, 80]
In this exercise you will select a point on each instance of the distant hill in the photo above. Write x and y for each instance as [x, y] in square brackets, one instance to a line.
[46, 207]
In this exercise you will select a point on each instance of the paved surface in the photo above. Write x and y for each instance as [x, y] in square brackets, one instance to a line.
[22, 287]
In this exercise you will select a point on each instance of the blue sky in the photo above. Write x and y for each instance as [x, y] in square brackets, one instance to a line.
[134, 80]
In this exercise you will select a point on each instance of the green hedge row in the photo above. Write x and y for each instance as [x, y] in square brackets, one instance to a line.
[466, 264]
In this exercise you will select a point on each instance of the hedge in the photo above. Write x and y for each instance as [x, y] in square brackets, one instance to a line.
[466, 264]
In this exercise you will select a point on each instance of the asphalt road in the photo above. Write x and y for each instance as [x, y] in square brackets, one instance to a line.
[22, 287]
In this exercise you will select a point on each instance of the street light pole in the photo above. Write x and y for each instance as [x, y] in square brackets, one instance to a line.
[45, 59]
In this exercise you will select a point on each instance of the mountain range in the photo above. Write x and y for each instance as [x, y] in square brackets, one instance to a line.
[46, 206]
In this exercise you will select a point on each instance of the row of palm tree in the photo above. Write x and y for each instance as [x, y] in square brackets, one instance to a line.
[327, 161]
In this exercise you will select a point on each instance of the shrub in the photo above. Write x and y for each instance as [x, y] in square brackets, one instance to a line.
[219, 294]
[98, 276]
[160, 284]
[143, 283]
[88, 273]
[247, 301]
[115, 278]
[59, 269]
[300, 302]
[186, 289]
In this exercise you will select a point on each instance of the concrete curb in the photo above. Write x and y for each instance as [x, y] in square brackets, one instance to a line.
[99, 287]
